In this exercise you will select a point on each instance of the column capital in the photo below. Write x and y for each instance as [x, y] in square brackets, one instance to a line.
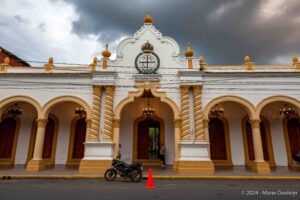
[110, 88]
[255, 123]
[116, 123]
[41, 122]
[177, 123]
[96, 88]
[197, 88]
[184, 88]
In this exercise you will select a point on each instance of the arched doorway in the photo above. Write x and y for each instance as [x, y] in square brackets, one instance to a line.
[220, 152]
[9, 131]
[292, 139]
[265, 139]
[50, 140]
[284, 127]
[77, 139]
[148, 136]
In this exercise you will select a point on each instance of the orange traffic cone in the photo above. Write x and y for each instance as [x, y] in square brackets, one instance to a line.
[150, 184]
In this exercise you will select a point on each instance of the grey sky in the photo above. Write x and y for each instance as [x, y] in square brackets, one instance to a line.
[223, 31]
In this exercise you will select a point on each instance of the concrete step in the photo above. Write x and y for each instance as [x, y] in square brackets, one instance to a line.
[150, 163]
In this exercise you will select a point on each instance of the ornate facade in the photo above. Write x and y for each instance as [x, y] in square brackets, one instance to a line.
[208, 117]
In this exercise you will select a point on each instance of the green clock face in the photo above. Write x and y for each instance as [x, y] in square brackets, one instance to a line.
[147, 63]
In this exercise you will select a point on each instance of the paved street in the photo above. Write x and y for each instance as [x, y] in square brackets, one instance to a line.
[165, 189]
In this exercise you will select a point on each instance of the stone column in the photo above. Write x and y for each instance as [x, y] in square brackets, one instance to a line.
[177, 130]
[95, 123]
[108, 117]
[37, 164]
[259, 165]
[116, 136]
[185, 113]
[206, 129]
[198, 115]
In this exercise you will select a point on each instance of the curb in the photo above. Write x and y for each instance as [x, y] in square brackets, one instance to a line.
[17, 177]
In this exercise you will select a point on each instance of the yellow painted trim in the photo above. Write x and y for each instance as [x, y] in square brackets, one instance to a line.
[245, 103]
[61, 99]
[10, 100]
[250, 163]
[277, 98]
[135, 133]
[291, 164]
[50, 161]
[139, 92]
[11, 161]
[228, 162]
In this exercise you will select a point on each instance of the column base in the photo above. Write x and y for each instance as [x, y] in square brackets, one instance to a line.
[94, 166]
[194, 167]
[97, 157]
[261, 167]
[35, 165]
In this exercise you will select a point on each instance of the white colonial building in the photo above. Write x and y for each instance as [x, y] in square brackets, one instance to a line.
[208, 117]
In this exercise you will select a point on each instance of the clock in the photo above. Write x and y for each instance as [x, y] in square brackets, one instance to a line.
[147, 62]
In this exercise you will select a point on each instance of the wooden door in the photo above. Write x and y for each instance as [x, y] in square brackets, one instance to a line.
[293, 127]
[49, 138]
[79, 139]
[217, 139]
[7, 136]
[143, 140]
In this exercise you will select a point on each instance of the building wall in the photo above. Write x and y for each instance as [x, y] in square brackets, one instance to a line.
[252, 87]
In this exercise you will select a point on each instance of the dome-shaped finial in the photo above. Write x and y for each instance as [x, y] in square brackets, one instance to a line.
[106, 53]
[189, 52]
[148, 20]
[95, 60]
[50, 61]
[247, 59]
[201, 60]
[295, 59]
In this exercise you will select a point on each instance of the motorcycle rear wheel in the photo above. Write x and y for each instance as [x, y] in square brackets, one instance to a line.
[136, 175]
[110, 175]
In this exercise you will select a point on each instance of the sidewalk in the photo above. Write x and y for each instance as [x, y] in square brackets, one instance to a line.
[238, 172]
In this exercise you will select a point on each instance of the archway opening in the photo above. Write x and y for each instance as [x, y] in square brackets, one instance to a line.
[225, 133]
[68, 145]
[141, 136]
[14, 132]
[285, 131]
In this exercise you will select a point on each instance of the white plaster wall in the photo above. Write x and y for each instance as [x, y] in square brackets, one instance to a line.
[270, 111]
[249, 87]
[133, 111]
[279, 148]
[43, 89]
[65, 113]
[26, 120]
[234, 114]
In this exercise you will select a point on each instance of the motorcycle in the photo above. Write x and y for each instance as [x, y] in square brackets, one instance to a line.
[134, 171]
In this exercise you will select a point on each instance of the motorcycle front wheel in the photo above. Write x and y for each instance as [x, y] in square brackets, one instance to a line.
[110, 175]
[136, 175]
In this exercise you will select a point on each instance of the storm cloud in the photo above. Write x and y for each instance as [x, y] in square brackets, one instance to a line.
[223, 31]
